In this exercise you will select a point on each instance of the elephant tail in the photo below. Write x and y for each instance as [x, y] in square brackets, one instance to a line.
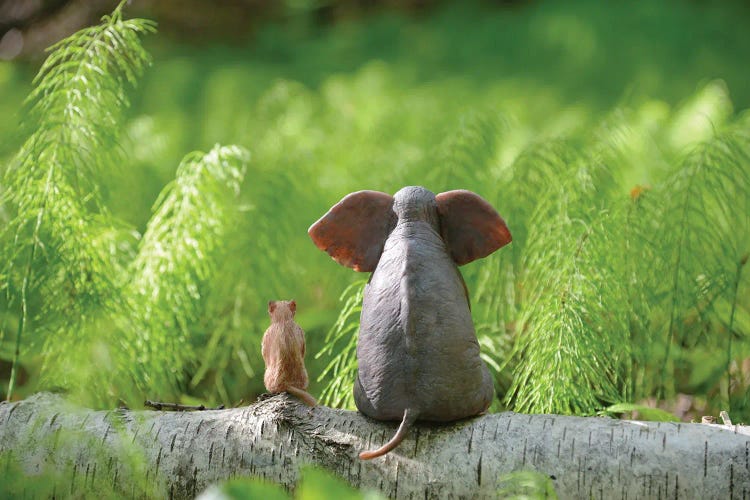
[410, 416]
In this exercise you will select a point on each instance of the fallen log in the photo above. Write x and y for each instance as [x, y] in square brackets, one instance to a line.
[181, 453]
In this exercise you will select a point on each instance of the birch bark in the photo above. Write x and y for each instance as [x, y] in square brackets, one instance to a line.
[182, 453]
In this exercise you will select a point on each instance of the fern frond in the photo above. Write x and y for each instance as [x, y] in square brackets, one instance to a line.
[494, 310]
[78, 98]
[572, 333]
[705, 207]
[73, 117]
[341, 343]
[465, 157]
[177, 257]
[270, 236]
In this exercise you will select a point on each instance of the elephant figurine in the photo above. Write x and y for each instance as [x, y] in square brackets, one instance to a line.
[418, 355]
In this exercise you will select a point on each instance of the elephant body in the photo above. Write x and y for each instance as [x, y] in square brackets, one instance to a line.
[417, 347]
[417, 351]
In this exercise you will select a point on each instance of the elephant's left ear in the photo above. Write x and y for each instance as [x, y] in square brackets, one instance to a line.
[470, 227]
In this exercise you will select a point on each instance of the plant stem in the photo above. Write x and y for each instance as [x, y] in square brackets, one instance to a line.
[737, 276]
[25, 286]
[21, 324]
[676, 282]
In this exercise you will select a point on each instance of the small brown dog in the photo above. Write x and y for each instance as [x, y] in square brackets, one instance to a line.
[283, 350]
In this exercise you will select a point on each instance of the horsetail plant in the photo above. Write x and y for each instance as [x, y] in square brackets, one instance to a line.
[73, 119]
[109, 308]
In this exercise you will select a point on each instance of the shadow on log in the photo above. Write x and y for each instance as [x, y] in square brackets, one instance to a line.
[180, 454]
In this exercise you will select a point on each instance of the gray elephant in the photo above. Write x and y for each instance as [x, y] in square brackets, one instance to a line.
[417, 352]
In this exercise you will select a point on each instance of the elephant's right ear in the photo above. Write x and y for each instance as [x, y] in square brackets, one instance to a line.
[354, 230]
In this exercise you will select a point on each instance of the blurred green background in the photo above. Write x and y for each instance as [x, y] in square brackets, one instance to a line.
[331, 97]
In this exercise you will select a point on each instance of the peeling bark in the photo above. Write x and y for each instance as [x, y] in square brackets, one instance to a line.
[184, 452]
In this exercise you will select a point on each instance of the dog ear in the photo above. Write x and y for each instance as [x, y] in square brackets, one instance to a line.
[354, 230]
[470, 227]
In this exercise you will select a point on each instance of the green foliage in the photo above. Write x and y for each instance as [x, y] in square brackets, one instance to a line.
[526, 485]
[573, 302]
[72, 116]
[240, 489]
[626, 188]
[341, 345]
[614, 154]
[581, 295]
[177, 257]
[315, 483]
[708, 205]
[105, 309]
[644, 412]
[319, 484]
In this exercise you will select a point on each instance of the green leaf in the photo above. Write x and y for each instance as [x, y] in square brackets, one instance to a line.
[644, 412]
[245, 488]
[526, 485]
[319, 484]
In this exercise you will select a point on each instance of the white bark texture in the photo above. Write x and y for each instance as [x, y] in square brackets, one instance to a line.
[185, 452]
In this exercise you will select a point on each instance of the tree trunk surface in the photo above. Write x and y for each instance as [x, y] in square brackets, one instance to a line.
[185, 452]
